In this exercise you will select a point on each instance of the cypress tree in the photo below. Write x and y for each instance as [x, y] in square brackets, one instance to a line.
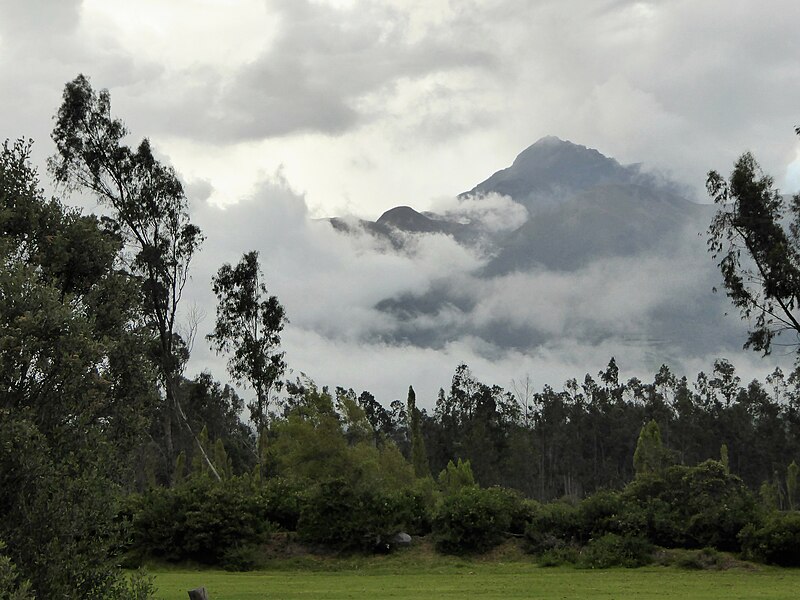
[419, 458]
[791, 483]
[650, 455]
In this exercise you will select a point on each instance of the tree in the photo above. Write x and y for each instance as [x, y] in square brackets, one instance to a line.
[419, 458]
[248, 327]
[791, 484]
[650, 455]
[75, 392]
[756, 237]
[148, 208]
[455, 477]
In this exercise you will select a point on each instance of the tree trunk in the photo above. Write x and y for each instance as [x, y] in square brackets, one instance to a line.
[172, 398]
[198, 594]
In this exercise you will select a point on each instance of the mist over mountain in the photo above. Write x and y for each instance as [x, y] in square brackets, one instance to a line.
[592, 252]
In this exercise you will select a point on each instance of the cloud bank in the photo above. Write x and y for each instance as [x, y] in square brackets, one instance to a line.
[365, 316]
[362, 106]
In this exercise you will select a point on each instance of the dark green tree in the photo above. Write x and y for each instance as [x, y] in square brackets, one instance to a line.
[248, 326]
[75, 391]
[150, 211]
[791, 484]
[756, 237]
[419, 458]
[650, 455]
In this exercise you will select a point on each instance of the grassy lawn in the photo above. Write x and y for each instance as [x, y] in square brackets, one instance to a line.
[484, 580]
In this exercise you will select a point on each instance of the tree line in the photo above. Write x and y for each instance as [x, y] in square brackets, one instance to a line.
[109, 451]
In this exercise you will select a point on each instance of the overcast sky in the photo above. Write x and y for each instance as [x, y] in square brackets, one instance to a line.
[286, 110]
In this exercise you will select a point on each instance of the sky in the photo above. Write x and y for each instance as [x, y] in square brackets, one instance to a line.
[276, 113]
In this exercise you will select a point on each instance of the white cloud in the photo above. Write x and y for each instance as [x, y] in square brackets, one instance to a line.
[493, 212]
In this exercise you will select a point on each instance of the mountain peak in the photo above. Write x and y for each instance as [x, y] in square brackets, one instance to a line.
[552, 166]
[407, 219]
[550, 140]
[554, 150]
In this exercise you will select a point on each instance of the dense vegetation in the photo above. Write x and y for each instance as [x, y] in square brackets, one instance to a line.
[109, 454]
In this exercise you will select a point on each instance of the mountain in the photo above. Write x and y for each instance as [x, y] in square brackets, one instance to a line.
[551, 170]
[582, 206]
[396, 224]
[608, 252]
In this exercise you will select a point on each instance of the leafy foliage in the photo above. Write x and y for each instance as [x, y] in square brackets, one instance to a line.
[612, 550]
[11, 588]
[339, 517]
[694, 507]
[776, 542]
[75, 390]
[248, 326]
[474, 519]
[419, 457]
[650, 455]
[150, 212]
[755, 236]
[456, 476]
[201, 520]
[555, 525]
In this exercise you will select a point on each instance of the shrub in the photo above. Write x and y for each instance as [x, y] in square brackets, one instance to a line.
[240, 557]
[613, 550]
[456, 476]
[339, 517]
[473, 520]
[282, 502]
[412, 511]
[562, 554]
[693, 507]
[604, 512]
[551, 526]
[200, 519]
[777, 542]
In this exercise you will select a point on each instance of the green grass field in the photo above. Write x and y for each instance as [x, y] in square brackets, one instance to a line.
[482, 580]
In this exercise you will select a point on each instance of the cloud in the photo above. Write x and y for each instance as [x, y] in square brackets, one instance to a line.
[365, 317]
[379, 103]
[492, 212]
[24, 21]
[321, 71]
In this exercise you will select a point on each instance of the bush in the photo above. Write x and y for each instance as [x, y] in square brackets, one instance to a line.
[693, 507]
[613, 550]
[474, 519]
[240, 557]
[606, 512]
[339, 517]
[562, 554]
[551, 526]
[411, 510]
[57, 518]
[283, 501]
[200, 520]
[777, 542]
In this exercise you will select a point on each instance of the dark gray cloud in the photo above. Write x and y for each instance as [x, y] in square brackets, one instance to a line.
[316, 74]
